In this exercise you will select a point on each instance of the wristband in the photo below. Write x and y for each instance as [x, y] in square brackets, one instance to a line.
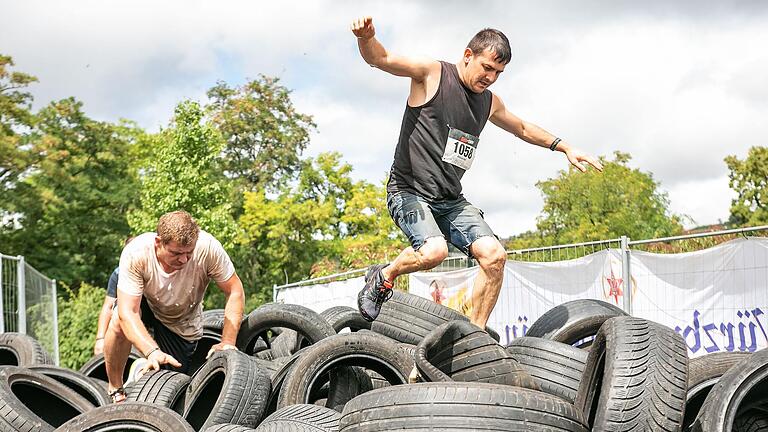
[554, 144]
[150, 352]
[98, 339]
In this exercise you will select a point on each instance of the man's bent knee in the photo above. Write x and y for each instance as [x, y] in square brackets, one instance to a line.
[489, 252]
[432, 253]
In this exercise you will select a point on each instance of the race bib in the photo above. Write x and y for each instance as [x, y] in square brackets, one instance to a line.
[460, 148]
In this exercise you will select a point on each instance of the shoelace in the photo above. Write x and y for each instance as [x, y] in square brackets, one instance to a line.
[383, 296]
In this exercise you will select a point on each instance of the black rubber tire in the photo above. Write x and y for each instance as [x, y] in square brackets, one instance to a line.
[341, 317]
[228, 427]
[164, 388]
[635, 377]
[743, 387]
[95, 367]
[18, 349]
[461, 351]
[278, 378]
[86, 387]
[126, 416]
[301, 418]
[703, 373]
[556, 367]
[573, 321]
[213, 319]
[370, 351]
[285, 344]
[751, 421]
[306, 322]
[408, 317]
[377, 380]
[346, 383]
[229, 388]
[204, 344]
[31, 401]
[269, 366]
[459, 407]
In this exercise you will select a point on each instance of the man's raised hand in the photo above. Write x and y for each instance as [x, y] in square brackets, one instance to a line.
[363, 27]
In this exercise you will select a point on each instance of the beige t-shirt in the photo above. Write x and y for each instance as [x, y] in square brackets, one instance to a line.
[175, 298]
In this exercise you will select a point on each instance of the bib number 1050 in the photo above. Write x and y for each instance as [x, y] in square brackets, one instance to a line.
[463, 149]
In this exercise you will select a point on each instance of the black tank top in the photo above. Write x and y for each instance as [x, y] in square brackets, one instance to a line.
[419, 165]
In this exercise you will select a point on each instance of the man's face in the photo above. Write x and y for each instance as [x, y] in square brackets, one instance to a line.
[173, 255]
[482, 69]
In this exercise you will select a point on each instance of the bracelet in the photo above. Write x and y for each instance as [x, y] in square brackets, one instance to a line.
[150, 352]
[554, 144]
[99, 338]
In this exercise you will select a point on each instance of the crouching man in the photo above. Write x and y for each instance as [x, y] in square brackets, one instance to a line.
[163, 279]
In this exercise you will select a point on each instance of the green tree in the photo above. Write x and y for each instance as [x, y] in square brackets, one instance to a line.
[581, 207]
[264, 133]
[66, 214]
[749, 179]
[324, 222]
[15, 114]
[183, 173]
[368, 234]
[78, 315]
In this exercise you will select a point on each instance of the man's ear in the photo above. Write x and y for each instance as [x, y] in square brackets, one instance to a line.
[467, 55]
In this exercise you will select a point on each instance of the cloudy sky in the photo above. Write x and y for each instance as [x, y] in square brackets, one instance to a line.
[678, 85]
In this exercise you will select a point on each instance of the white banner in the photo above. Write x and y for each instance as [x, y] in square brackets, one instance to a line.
[715, 298]
[320, 297]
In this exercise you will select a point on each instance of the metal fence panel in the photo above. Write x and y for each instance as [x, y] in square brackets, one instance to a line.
[41, 309]
[28, 303]
[10, 293]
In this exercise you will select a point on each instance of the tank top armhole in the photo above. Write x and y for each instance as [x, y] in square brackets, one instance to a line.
[432, 99]
[490, 104]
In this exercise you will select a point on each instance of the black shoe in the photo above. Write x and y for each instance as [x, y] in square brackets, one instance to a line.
[377, 290]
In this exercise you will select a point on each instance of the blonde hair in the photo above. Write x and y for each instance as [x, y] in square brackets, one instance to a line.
[177, 226]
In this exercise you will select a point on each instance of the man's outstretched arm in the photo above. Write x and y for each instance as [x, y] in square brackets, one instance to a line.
[374, 53]
[534, 134]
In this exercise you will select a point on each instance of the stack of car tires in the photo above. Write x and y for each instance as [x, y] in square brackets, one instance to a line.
[583, 366]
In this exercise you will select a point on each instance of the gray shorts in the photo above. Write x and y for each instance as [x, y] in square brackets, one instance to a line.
[457, 220]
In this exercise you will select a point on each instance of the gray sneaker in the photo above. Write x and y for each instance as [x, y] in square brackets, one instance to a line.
[377, 290]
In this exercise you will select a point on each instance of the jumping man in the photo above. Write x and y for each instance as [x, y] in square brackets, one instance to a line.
[447, 108]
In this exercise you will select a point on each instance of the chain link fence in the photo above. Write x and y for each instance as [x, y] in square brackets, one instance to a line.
[28, 303]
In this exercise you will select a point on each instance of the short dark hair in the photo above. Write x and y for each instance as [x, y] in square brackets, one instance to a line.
[177, 226]
[493, 40]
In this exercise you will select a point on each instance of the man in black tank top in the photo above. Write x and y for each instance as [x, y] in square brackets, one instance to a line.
[447, 108]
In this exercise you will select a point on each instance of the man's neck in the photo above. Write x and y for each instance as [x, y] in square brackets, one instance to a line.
[461, 67]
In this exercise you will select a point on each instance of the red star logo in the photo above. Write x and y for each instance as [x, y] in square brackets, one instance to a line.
[615, 285]
[437, 295]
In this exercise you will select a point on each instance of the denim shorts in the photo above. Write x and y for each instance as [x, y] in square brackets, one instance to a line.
[457, 220]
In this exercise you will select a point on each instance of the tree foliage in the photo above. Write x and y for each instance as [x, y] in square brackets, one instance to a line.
[322, 223]
[581, 207]
[15, 114]
[78, 314]
[66, 213]
[749, 179]
[263, 132]
[183, 173]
